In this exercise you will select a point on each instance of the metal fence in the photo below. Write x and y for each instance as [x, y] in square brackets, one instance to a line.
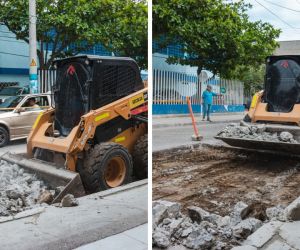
[46, 80]
[172, 87]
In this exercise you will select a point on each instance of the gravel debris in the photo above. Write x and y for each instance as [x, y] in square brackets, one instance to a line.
[19, 190]
[200, 229]
[69, 201]
[255, 132]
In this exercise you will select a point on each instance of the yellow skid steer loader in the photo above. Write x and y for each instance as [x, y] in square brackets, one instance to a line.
[95, 135]
[277, 107]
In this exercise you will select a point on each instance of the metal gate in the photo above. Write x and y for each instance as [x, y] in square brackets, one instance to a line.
[46, 80]
[166, 90]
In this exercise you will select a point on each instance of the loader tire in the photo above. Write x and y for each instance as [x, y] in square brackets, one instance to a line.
[106, 166]
[4, 137]
[140, 158]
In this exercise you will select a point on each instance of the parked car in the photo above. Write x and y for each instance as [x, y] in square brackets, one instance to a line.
[12, 91]
[18, 114]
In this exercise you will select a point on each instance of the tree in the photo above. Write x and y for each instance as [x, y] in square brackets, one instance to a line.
[252, 77]
[67, 27]
[216, 35]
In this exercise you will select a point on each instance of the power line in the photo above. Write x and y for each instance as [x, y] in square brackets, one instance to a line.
[275, 15]
[278, 5]
[12, 54]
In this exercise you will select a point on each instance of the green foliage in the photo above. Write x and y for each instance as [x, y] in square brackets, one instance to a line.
[252, 77]
[216, 35]
[119, 25]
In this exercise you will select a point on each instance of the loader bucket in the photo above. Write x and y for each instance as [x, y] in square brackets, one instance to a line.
[50, 174]
[281, 147]
[285, 147]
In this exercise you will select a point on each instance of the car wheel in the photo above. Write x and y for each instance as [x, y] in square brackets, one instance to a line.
[4, 137]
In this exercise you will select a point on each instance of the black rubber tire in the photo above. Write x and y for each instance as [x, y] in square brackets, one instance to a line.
[140, 158]
[4, 137]
[95, 165]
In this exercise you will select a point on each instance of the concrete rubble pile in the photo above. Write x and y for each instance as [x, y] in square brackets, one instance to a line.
[20, 191]
[255, 132]
[200, 229]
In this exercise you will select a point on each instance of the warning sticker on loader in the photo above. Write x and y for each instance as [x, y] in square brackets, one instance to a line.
[101, 117]
[137, 101]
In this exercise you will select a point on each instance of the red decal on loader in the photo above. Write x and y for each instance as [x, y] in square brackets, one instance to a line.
[71, 70]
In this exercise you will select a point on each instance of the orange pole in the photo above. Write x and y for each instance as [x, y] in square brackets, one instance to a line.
[192, 116]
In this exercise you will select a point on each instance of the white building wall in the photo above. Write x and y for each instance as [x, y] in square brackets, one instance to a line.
[288, 48]
[13, 53]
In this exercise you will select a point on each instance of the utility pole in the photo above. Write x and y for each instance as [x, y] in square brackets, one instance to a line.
[33, 77]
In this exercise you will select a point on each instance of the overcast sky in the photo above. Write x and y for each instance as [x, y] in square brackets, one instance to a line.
[290, 23]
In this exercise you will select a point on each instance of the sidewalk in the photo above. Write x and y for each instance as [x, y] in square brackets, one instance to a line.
[133, 239]
[160, 121]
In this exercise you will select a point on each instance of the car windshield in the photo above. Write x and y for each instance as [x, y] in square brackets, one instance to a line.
[10, 91]
[10, 103]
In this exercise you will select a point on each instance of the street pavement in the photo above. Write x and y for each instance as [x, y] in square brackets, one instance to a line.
[18, 146]
[159, 121]
[174, 131]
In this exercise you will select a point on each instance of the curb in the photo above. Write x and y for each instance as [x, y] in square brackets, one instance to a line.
[187, 115]
[190, 124]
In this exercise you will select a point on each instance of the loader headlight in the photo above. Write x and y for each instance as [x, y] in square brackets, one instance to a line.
[56, 133]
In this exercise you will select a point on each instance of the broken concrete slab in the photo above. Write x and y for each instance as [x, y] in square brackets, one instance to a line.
[19, 190]
[290, 232]
[275, 213]
[199, 239]
[241, 209]
[261, 236]
[292, 211]
[45, 197]
[255, 132]
[161, 238]
[197, 214]
[246, 247]
[286, 136]
[246, 227]
[162, 209]
[278, 245]
[69, 201]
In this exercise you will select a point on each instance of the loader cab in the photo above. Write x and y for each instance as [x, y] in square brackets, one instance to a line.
[87, 83]
[282, 83]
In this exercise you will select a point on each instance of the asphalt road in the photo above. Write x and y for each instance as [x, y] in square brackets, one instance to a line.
[18, 146]
[170, 137]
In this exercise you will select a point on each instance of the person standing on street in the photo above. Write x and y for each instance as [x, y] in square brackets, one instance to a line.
[207, 100]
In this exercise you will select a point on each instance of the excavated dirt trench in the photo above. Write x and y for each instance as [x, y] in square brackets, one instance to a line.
[215, 179]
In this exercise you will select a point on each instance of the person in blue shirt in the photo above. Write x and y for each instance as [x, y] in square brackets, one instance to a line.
[207, 100]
